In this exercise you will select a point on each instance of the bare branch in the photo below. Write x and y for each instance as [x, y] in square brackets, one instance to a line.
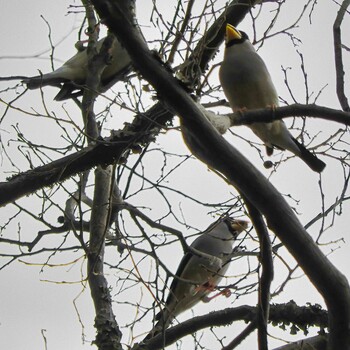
[318, 342]
[338, 56]
[295, 110]
[279, 315]
[206, 143]
[266, 274]
[241, 336]
[108, 333]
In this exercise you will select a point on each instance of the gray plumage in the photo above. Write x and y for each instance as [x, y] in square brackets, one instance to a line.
[200, 273]
[71, 76]
[247, 84]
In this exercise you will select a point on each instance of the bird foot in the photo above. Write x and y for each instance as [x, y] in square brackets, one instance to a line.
[205, 287]
[226, 292]
[95, 29]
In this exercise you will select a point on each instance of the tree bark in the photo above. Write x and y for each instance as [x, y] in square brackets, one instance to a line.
[108, 334]
[210, 147]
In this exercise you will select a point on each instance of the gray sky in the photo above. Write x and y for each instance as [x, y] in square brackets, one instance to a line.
[31, 300]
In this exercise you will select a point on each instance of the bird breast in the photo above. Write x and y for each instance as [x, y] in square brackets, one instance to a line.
[246, 81]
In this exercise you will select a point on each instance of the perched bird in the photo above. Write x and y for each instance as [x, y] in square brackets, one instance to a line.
[247, 84]
[71, 76]
[200, 273]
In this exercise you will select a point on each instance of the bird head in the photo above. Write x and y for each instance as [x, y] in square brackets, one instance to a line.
[234, 36]
[236, 226]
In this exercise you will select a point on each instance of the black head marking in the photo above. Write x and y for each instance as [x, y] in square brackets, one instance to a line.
[238, 41]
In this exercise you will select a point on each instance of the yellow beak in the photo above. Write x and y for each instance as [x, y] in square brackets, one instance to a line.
[232, 33]
[239, 225]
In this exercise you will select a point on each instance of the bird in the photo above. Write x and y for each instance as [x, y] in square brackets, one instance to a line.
[247, 84]
[200, 272]
[71, 76]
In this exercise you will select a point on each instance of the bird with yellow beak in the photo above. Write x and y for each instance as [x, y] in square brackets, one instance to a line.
[247, 84]
[199, 274]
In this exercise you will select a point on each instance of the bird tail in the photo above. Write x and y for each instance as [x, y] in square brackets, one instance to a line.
[41, 80]
[69, 90]
[309, 158]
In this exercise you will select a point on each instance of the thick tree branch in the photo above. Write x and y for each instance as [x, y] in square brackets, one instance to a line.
[104, 152]
[280, 314]
[266, 274]
[146, 125]
[209, 146]
[96, 66]
[108, 334]
[295, 110]
[318, 342]
[338, 56]
[212, 149]
[143, 129]
[222, 122]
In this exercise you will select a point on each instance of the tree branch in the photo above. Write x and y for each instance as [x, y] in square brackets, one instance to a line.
[143, 130]
[147, 125]
[279, 314]
[209, 146]
[266, 274]
[108, 333]
[338, 56]
[318, 342]
[241, 336]
[104, 152]
[295, 110]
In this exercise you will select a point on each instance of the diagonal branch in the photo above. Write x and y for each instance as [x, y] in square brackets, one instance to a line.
[318, 342]
[210, 147]
[266, 274]
[280, 314]
[143, 129]
[103, 153]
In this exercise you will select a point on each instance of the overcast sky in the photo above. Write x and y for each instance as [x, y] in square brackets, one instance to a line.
[33, 306]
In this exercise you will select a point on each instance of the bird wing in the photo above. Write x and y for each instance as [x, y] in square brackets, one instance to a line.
[72, 74]
[199, 273]
[247, 83]
[173, 286]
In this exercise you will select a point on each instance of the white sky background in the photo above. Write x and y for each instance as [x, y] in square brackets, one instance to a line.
[27, 304]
